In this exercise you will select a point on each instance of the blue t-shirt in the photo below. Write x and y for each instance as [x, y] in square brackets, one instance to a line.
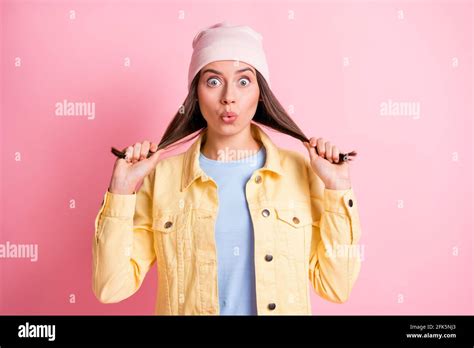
[234, 233]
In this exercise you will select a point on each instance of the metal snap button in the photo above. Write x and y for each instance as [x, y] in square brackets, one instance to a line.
[268, 258]
[168, 224]
[258, 179]
[351, 203]
[296, 220]
[271, 306]
[265, 212]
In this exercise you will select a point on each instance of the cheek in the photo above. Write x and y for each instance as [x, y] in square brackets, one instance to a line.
[250, 100]
[206, 99]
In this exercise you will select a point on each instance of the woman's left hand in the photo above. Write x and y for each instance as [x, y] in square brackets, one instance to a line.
[335, 176]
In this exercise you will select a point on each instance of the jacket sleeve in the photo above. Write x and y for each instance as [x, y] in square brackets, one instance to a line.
[123, 245]
[334, 262]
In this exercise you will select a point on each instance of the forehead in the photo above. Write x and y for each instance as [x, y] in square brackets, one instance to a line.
[227, 65]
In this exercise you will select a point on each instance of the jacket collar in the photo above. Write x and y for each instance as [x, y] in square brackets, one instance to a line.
[192, 170]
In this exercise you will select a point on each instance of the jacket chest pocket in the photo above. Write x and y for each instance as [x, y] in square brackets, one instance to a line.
[170, 236]
[293, 236]
[294, 228]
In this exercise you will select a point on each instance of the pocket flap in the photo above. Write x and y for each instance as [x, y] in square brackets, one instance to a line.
[165, 222]
[295, 217]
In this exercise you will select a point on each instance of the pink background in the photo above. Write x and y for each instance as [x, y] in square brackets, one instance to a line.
[409, 266]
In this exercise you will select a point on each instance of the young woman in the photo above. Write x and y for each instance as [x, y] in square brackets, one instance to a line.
[235, 224]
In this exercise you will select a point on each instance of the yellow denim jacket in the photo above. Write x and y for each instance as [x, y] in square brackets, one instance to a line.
[299, 230]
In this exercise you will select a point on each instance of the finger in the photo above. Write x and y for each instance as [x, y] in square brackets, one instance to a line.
[328, 147]
[155, 156]
[145, 148]
[128, 153]
[311, 150]
[136, 152]
[320, 146]
[153, 147]
[312, 143]
[335, 154]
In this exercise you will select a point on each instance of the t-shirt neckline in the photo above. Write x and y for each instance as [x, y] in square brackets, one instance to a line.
[244, 160]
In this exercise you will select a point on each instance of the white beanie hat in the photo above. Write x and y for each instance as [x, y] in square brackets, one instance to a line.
[224, 41]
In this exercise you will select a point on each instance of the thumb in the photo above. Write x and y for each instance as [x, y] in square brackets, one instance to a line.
[312, 151]
[155, 156]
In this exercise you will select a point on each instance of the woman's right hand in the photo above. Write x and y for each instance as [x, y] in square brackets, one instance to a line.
[130, 171]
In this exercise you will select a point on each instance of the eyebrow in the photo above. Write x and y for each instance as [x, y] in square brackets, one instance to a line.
[235, 72]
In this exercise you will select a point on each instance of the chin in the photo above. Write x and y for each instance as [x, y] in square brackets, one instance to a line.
[228, 129]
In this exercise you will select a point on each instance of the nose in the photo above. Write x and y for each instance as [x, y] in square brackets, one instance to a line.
[228, 96]
[228, 101]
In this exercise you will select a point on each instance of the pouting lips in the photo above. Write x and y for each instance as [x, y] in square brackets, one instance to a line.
[228, 116]
[228, 119]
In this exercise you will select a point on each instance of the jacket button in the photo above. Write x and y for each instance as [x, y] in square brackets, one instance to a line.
[296, 220]
[271, 306]
[168, 224]
[258, 179]
[268, 258]
[351, 203]
[265, 212]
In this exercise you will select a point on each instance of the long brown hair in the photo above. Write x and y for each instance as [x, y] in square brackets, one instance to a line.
[189, 119]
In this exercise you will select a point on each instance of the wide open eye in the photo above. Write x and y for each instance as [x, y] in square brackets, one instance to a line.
[244, 82]
[213, 82]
